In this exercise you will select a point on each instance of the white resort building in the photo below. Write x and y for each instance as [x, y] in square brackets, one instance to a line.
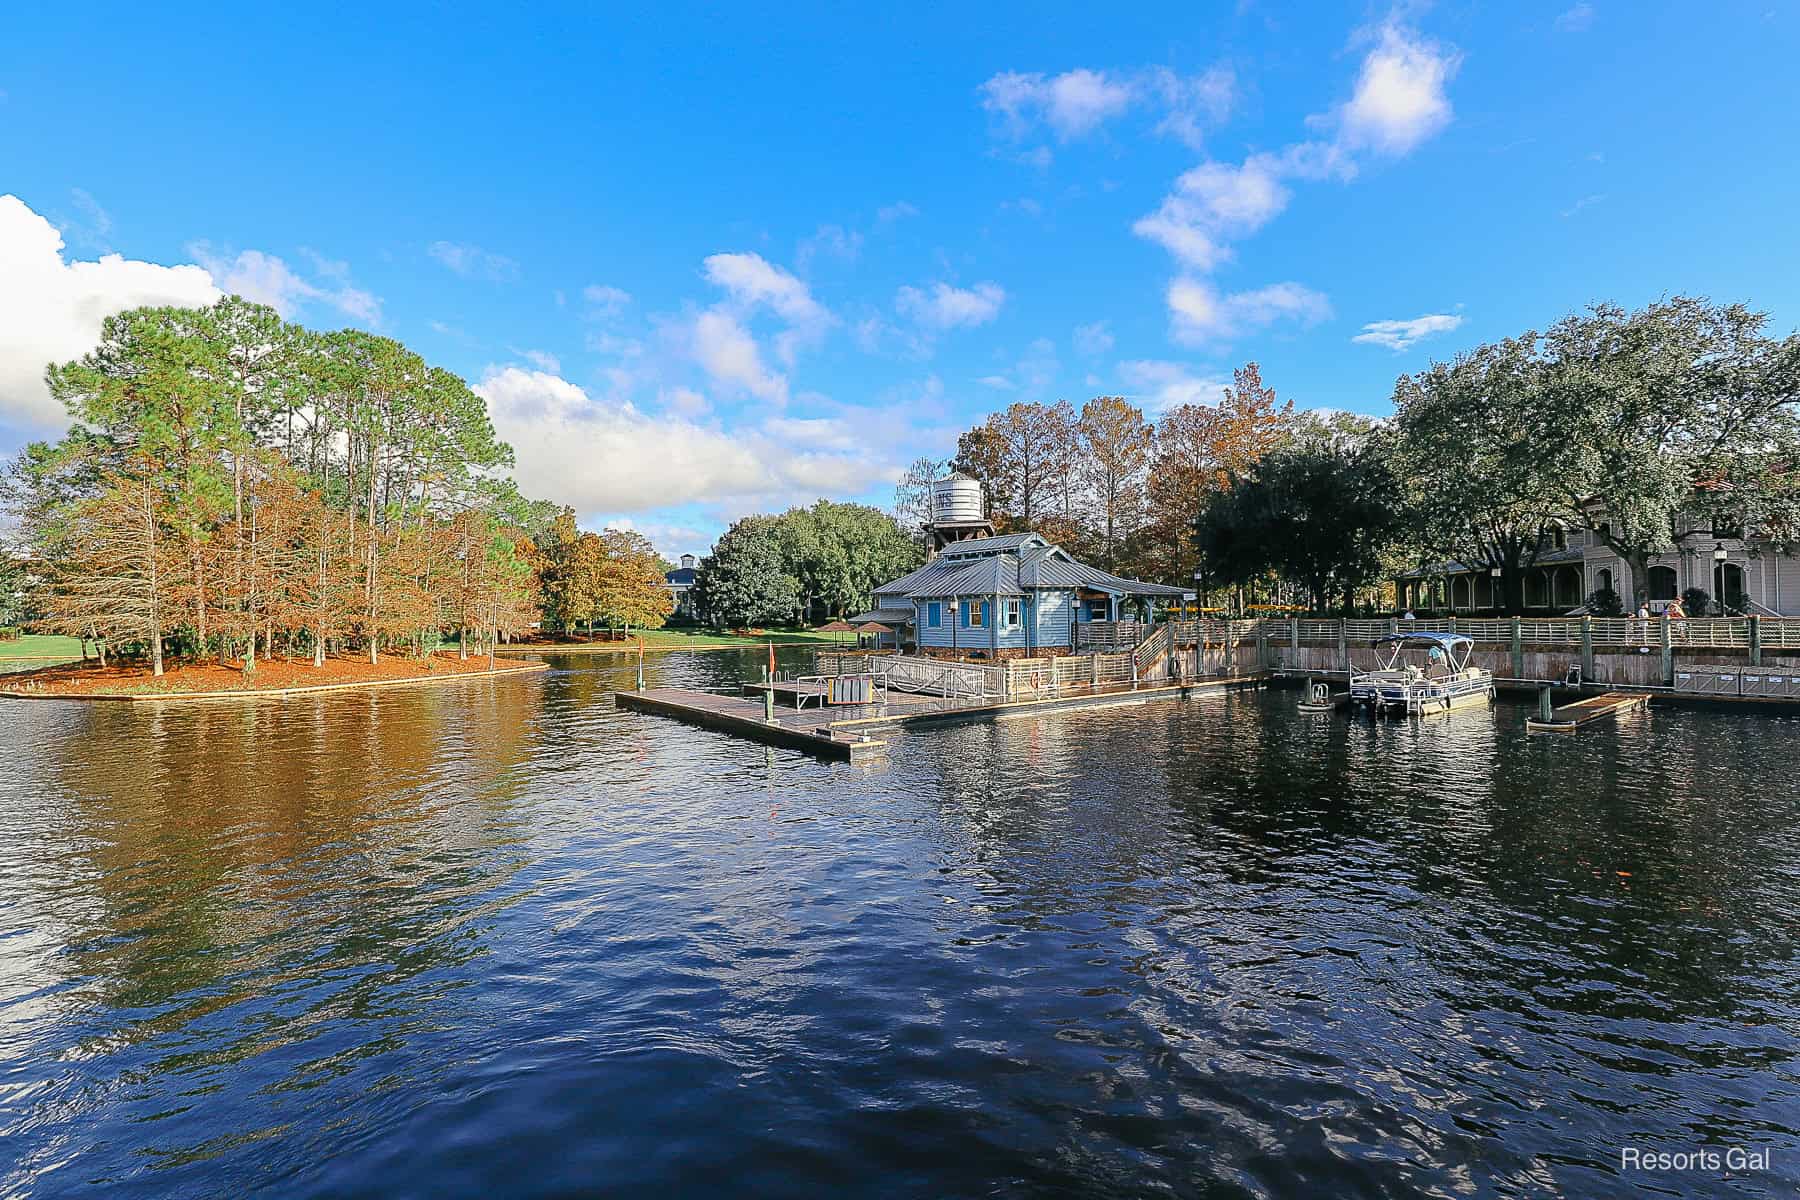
[1750, 574]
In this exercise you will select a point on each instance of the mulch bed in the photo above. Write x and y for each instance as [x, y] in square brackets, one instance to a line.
[77, 679]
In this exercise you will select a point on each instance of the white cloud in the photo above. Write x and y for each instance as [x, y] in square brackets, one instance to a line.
[887, 214]
[945, 307]
[1193, 104]
[829, 240]
[685, 539]
[999, 383]
[1576, 19]
[596, 454]
[1076, 103]
[543, 360]
[1199, 313]
[727, 352]
[1093, 340]
[1073, 104]
[1212, 203]
[51, 309]
[1398, 335]
[605, 300]
[269, 280]
[1584, 202]
[472, 262]
[815, 433]
[1159, 385]
[1399, 99]
[752, 280]
[91, 228]
[687, 402]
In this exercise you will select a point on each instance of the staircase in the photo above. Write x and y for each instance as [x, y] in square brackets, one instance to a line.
[1152, 654]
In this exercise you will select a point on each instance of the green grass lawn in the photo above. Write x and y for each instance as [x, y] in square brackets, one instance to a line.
[41, 645]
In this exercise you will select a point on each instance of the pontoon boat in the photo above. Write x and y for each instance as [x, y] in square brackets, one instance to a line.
[1422, 673]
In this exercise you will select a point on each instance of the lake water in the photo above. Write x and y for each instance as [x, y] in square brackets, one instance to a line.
[499, 939]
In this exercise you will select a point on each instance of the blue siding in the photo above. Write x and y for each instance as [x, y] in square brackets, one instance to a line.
[1052, 613]
[1044, 623]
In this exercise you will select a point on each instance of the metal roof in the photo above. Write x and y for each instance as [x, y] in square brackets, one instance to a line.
[905, 583]
[995, 576]
[886, 616]
[996, 572]
[990, 545]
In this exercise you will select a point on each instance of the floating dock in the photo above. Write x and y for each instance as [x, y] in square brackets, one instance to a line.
[800, 729]
[1571, 717]
[847, 738]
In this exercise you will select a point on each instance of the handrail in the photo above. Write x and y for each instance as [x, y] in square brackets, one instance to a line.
[1717, 632]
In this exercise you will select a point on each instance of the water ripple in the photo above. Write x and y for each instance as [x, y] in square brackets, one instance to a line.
[505, 939]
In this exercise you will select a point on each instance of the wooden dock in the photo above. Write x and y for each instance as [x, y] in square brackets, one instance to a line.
[844, 732]
[800, 729]
[1571, 717]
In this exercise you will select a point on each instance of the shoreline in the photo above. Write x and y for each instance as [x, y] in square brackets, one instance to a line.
[523, 668]
[631, 648]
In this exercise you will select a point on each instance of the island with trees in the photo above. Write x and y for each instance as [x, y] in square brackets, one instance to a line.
[243, 504]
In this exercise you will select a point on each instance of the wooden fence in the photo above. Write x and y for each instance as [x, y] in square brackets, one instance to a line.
[1770, 633]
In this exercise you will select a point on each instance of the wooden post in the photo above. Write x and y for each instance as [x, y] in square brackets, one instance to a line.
[1518, 650]
[1343, 647]
[1230, 650]
[1262, 647]
[1668, 651]
[768, 704]
[1587, 648]
[1546, 712]
[1755, 640]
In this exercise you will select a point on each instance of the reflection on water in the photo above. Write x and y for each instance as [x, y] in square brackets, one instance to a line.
[501, 939]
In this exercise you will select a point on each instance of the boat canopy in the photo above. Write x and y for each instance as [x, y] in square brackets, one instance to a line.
[1424, 640]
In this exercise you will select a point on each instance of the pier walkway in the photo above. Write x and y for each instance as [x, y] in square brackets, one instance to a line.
[850, 733]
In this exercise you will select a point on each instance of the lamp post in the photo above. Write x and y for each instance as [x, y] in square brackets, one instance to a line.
[953, 607]
[1074, 618]
[1719, 557]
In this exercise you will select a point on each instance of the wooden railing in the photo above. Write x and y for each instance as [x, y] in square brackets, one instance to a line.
[1722, 633]
[1028, 677]
[1152, 648]
[1108, 636]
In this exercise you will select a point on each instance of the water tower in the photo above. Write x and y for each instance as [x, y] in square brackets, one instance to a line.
[958, 511]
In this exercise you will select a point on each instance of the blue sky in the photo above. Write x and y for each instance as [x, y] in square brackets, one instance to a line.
[706, 263]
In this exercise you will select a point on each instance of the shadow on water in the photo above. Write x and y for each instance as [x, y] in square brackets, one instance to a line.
[501, 938]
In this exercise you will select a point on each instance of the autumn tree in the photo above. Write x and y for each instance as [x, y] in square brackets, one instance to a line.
[1199, 447]
[110, 581]
[276, 462]
[1116, 447]
[631, 589]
